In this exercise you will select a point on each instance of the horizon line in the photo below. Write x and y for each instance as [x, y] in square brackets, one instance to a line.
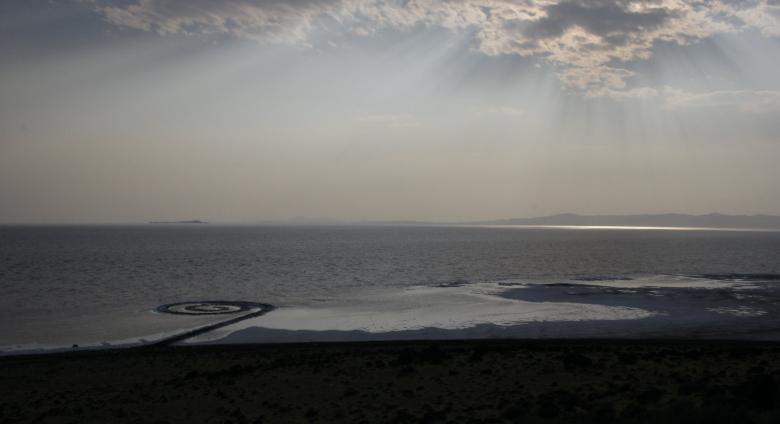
[339, 221]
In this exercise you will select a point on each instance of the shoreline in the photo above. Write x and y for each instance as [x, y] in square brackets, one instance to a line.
[654, 307]
[262, 338]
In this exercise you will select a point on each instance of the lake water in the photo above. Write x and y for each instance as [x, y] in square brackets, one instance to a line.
[100, 285]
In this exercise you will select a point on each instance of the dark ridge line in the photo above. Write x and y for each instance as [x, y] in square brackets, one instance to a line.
[264, 308]
[191, 221]
[497, 343]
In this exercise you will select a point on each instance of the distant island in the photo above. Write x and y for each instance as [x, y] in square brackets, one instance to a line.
[713, 220]
[193, 221]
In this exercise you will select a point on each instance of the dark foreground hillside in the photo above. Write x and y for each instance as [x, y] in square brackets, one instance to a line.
[427, 382]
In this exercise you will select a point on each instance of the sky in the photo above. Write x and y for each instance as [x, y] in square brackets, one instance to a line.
[353, 110]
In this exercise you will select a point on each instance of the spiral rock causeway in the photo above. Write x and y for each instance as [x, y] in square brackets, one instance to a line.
[209, 307]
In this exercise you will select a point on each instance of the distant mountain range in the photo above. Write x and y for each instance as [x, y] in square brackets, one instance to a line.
[192, 221]
[714, 220]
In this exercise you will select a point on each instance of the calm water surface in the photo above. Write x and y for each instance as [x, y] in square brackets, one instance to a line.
[61, 282]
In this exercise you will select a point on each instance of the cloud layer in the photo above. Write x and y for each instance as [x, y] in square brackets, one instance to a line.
[588, 42]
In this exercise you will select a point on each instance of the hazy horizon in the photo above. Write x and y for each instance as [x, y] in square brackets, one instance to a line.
[128, 111]
[304, 220]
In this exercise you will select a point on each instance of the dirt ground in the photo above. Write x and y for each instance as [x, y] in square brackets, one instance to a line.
[399, 382]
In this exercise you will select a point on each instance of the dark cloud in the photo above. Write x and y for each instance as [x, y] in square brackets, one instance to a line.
[606, 18]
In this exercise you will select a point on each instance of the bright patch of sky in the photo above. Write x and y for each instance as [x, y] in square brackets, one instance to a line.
[249, 110]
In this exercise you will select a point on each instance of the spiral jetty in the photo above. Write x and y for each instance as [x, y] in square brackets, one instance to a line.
[209, 307]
